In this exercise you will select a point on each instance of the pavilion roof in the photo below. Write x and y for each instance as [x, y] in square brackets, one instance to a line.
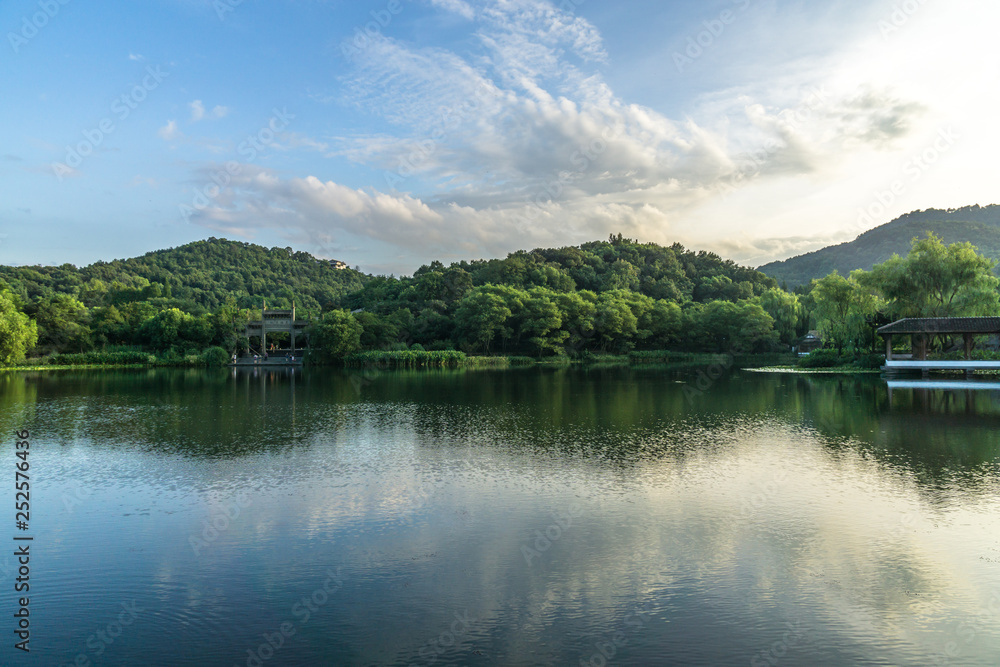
[927, 325]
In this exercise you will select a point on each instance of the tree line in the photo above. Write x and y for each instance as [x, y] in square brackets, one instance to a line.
[613, 297]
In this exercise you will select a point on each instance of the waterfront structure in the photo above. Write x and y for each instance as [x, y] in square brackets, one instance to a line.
[921, 329]
[277, 321]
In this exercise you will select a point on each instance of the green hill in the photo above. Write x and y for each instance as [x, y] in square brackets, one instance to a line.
[673, 273]
[614, 295]
[196, 277]
[979, 226]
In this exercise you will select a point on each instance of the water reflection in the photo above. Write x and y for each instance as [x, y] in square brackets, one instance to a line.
[536, 516]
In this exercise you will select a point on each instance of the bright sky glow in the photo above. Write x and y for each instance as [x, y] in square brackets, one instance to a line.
[388, 133]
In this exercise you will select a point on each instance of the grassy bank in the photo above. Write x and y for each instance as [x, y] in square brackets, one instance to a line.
[405, 359]
[658, 357]
[213, 356]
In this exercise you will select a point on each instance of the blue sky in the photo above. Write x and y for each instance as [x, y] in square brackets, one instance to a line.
[392, 132]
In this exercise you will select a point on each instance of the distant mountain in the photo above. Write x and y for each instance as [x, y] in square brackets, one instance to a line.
[979, 226]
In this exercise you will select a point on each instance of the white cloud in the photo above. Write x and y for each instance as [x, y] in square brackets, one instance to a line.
[459, 7]
[522, 141]
[135, 56]
[169, 132]
[198, 111]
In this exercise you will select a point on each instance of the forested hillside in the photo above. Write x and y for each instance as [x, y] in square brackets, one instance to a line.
[977, 225]
[614, 295]
[675, 274]
[197, 278]
[189, 304]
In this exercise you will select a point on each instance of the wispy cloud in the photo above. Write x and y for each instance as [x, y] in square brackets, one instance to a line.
[198, 111]
[169, 132]
[459, 7]
[521, 140]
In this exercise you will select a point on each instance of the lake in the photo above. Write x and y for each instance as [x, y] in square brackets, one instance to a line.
[538, 516]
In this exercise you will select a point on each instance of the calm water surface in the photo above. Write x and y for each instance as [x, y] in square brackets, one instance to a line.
[521, 517]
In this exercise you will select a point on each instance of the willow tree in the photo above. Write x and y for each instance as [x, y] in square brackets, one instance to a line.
[842, 308]
[936, 280]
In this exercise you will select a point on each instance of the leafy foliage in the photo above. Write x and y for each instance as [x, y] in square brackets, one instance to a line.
[936, 280]
[336, 335]
[17, 333]
[196, 278]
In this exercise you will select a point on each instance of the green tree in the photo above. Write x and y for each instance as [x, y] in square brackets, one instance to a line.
[18, 333]
[790, 319]
[842, 309]
[736, 328]
[223, 323]
[542, 320]
[480, 317]
[577, 310]
[63, 325]
[336, 335]
[162, 331]
[615, 323]
[936, 280]
[109, 326]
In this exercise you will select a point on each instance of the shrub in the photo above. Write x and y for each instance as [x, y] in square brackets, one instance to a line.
[822, 359]
[487, 362]
[215, 356]
[101, 358]
[870, 361]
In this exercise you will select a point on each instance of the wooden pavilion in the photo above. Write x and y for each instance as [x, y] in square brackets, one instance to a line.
[921, 329]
